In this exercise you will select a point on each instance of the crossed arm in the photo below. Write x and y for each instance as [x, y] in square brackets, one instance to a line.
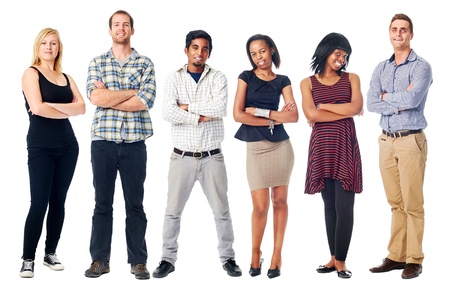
[31, 90]
[246, 115]
[326, 112]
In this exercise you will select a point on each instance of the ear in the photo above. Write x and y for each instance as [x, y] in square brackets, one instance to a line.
[412, 35]
[132, 31]
[186, 51]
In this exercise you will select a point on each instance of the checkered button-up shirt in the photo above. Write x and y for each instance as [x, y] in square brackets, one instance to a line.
[208, 97]
[136, 73]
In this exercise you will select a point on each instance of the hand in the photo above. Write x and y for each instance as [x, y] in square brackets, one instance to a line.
[204, 118]
[99, 84]
[250, 110]
[288, 106]
[183, 106]
[410, 86]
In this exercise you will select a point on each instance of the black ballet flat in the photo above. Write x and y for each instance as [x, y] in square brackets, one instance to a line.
[272, 273]
[344, 274]
[256, 271]
[325, 269]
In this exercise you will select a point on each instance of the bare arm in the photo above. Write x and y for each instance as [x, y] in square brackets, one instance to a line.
[351, 108]
[239, 113]
[76, 107]
[313, 114]
[31, 90]
[289, 112]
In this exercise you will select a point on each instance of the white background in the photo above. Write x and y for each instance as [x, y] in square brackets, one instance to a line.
[160, 30]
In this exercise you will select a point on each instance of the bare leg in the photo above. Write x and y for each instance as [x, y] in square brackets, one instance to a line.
[260, 199]
[280, 217]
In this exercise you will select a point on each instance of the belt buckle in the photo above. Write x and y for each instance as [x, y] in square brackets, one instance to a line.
[199, 156]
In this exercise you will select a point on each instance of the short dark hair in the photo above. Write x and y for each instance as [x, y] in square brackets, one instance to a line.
[276, 60]
[326, 47]
[196, 34]
[401, 16]
[123, 12]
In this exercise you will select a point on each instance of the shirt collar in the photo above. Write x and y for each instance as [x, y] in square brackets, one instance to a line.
[411, 57]
[133, 56]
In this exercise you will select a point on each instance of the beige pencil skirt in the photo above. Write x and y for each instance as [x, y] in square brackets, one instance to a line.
[269, 164]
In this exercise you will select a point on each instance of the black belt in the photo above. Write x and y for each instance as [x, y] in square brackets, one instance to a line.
[197, 154]
[401, 133]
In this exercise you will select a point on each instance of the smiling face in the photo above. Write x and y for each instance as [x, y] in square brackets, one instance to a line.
[261, 54]
[400, 35]
[49, 48]
[197, 53]
[337, 59]
[121, 30]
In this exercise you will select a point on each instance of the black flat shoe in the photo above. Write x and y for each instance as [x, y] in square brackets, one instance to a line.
[344, 274]
[325, 269]
[272, 273]
[256, 271]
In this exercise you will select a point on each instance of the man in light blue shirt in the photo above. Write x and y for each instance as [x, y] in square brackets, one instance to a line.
[398, 91]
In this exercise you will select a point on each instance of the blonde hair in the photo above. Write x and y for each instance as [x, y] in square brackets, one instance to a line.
[36, 59]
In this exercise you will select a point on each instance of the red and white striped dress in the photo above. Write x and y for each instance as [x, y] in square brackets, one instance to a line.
[333, 147]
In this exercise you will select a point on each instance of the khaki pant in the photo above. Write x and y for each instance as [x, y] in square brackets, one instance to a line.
[402, 166]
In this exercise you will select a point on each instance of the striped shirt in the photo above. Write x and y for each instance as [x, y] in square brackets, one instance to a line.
[400, 109]
[333, 146]
[208, 97]
[136, 73]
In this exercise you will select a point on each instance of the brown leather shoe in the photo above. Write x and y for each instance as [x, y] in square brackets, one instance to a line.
[412, 270]
[388, 265]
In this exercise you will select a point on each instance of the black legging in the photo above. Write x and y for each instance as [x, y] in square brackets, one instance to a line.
[51, 171]
[338, 205]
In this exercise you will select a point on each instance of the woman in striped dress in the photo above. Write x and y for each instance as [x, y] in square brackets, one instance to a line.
[330, 99]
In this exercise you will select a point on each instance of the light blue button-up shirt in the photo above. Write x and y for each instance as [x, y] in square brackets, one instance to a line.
[400, 109]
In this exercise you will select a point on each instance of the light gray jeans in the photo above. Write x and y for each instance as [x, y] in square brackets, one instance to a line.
[210, 171]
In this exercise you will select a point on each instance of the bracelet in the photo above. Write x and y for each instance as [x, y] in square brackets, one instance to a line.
[271, 126]
[262, 112]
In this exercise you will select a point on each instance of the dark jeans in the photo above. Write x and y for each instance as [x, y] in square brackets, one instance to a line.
[50, 171]
[130, 159]
[338, 205]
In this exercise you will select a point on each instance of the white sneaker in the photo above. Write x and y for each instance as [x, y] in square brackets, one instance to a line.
[52, 261]
[27, 270]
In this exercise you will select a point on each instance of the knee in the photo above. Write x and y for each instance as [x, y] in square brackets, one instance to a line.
[260, 211]
[279, 202]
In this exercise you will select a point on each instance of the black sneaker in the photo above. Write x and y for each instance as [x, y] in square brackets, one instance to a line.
[27, 270]
[163, 269]
[52, 261]
[97, 269]
[232, 268]
[140, 271]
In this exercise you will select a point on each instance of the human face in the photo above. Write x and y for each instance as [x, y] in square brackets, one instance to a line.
[49, 48]
[337, 59]
[400, 34]
[198, 53]
[121, 30]
[261, 54]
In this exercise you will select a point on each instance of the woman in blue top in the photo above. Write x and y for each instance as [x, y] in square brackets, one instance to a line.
[270, 157]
